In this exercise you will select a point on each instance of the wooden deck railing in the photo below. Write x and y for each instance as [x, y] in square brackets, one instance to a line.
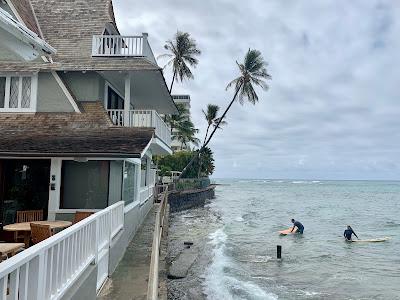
[159, 229]
[48, 269]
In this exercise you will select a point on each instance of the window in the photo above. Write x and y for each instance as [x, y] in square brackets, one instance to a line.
[129, 182]
[85, 184]
[18, 93]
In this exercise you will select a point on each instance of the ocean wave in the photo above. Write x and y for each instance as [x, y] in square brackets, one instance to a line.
[220, 285]
[239, 219]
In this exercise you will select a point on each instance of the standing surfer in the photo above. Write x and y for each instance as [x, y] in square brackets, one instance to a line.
[348, 232]
[298, 225]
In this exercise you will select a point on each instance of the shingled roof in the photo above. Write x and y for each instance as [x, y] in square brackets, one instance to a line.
[69, 26]
[27, 14]
[89, 134]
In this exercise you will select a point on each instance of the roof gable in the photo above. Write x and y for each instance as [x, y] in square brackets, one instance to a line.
[26, 13]
[68, 25]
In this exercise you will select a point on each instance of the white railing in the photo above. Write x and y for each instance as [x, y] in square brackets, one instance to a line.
[142, 118]
[146, 193]
[120, 45]
[47, 269]
[159, 231]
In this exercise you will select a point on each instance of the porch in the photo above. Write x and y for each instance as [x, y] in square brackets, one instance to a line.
[122, 45]
[84, 255]
[142, 118]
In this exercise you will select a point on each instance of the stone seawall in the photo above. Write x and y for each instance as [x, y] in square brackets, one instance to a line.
[179, 201]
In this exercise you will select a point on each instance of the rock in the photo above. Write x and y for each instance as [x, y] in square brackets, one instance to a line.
[181, 265]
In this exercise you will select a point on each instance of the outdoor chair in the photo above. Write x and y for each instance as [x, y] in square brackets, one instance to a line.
[39, 232]
[29, 215]
[80, 215]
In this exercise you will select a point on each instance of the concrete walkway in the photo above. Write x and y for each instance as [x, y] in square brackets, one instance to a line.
[129, 281]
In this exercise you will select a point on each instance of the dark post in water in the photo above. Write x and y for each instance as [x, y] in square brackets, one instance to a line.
[279, 251]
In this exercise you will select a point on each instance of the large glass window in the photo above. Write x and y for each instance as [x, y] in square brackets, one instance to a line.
[129, 182]
[85, 184]
[17, 93]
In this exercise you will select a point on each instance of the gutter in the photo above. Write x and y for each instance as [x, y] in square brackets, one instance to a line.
[24, 34]
[69, 154]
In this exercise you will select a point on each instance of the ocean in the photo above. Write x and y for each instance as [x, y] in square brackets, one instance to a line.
[316, 265]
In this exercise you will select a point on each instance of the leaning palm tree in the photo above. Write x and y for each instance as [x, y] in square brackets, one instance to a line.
[183, 51]
[211, 116]
[253, 72]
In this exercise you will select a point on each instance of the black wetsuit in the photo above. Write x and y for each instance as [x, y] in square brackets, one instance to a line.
[347, 234]
[300, 227]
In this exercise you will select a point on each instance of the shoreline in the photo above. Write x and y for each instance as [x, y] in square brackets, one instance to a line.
[193, 225]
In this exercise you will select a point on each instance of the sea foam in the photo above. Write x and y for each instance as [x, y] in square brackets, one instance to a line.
[221, 285]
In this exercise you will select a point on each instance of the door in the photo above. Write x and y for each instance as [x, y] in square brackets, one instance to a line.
[24, 185]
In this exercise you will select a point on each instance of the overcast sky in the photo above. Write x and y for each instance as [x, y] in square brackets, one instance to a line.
[332, 111]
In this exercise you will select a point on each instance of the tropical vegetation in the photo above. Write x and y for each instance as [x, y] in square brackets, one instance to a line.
[182, 53]
[178, 160]
[252, 73]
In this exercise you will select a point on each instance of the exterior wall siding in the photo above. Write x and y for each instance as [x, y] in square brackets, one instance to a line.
[84, 287]
[50, 96]
[115, 183]
[87, 86]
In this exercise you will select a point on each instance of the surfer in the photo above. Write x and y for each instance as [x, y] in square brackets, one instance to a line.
[300, 227]
[348, 232]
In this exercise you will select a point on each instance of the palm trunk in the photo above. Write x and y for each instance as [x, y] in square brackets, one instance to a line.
[172, 83]
[212, 133]
[200, 164]
[205, 138]
[223, 116]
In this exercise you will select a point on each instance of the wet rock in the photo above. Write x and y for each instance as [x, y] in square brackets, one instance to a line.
[181, 265]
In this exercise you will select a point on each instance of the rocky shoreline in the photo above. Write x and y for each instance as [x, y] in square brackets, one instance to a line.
[187, 264]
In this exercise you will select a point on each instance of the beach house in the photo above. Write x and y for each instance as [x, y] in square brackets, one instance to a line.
[80, 109]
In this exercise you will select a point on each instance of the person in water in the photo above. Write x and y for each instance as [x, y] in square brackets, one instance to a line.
[298, 225]
[348, 233]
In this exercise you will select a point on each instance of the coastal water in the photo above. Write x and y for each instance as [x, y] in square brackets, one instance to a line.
[316, 265]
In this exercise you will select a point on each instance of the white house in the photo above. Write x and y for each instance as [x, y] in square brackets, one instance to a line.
[79, 127]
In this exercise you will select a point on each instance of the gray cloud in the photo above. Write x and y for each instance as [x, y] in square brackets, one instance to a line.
[332, 110]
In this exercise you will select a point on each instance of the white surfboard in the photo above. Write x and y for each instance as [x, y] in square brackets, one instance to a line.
[384, 239]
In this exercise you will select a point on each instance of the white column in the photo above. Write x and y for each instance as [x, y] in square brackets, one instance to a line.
[127, 100]
[148, 162]
[54, 188]
[138, 180]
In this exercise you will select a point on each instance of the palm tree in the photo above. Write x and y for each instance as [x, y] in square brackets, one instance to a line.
[211, 116]
[253, 72]
[174, 120]
[183, 50]
[185, 133]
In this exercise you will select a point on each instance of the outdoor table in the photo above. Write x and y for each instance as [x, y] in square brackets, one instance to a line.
[25, 227]
[9, 248]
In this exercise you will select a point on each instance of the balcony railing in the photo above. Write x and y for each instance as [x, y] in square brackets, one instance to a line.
[142, 118]
[119, 45]
[48, 269]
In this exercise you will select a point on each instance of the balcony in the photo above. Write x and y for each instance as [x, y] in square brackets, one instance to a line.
[122, 46]
[142, 118]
